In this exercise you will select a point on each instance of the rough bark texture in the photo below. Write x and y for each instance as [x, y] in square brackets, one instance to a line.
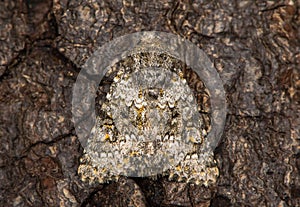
[255, 47]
